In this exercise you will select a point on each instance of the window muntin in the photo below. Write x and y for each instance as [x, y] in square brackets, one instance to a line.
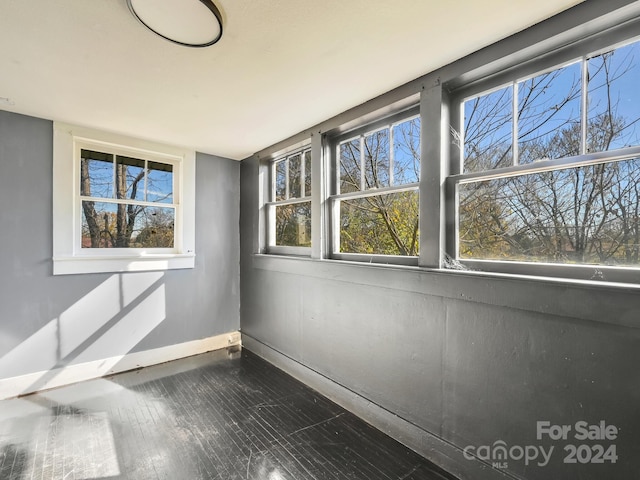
[117, 193]
[290, 205]
[565, 191]
[375, 208]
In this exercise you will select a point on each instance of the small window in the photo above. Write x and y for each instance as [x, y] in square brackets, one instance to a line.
[290, 205]
[120, 204]
[376, 201]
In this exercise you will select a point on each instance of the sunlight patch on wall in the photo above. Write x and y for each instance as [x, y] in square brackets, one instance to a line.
[142, 316]
[105, 323]
[88, 315]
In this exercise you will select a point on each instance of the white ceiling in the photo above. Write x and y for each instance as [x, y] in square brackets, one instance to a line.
[280, 67]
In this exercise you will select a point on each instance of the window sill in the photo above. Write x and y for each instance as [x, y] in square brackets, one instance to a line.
[289, 251]
[268, 261]
[576, 274]
[598, 301]
[86, 264]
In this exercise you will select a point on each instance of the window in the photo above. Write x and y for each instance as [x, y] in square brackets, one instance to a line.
[290, 206]
[120, 204]
[551, 167]
[531, 164]
[376, 200]
[126, 202]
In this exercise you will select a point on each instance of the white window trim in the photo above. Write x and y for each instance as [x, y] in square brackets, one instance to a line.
[68, 257]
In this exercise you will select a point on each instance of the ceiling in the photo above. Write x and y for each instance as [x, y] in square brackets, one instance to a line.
[281, 66]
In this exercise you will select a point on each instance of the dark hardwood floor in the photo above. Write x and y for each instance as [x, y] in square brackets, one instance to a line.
[221, 415]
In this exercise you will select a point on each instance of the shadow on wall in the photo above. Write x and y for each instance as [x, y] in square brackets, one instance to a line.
[101, 328]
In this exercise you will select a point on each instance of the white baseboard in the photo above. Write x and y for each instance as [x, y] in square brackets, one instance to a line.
[33, 382]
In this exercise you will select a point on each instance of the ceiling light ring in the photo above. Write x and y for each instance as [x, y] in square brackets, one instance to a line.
[207, 3]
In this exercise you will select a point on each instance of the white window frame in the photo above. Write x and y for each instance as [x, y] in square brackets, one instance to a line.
[336, 197]
[68, 255]
[272, 204]
[580, 51]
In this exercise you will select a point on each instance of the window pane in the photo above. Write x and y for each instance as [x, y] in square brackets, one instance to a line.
[159, 182]
[295, 166]
[96, 174]
[376, 159]
[549, 115]
[281, 180]
[488, 125]
[154, 228]
[110, 225]
[350, 166]
[307, 173]
[129, 178]
[585, 215]
[293, 225]
[383, 224]
[614, 99]
[406, 152]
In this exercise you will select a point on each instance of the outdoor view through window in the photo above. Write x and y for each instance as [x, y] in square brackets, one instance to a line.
[126, 202]
[292, 195]
[380, 222]
[584, 210]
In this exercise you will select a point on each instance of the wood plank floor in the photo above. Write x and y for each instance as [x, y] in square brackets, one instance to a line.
[221, 415]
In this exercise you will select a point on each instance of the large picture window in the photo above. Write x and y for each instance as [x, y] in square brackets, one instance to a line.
[376, 201]
[550, 166]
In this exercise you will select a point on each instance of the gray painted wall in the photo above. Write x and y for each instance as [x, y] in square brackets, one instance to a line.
[443, 360]
[468, 359]
[48, 321]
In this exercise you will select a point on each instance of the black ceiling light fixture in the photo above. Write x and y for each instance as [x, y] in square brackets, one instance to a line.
[192, 23]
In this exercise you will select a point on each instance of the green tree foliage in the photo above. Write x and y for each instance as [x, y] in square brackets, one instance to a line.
[383, 224]
[157, 231]
[293, 225]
